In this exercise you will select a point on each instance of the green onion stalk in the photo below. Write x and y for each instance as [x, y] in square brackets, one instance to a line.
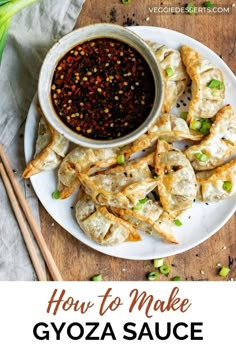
[9, 8]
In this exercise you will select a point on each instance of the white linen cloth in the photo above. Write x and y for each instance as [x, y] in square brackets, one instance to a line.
[32, 32]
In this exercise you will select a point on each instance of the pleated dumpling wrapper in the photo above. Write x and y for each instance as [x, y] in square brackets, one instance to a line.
[121, 186]
[173, 72]
[168, 127]
[51, 147]
[149, 217]
[208, 88]
[217, 184]
[177, 185]
[100, 225]
[218, 146]
[84, 160]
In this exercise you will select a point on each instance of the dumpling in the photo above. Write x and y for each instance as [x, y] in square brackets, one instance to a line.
[84, 160]
[167, 127]
[150, 218]
[173, 73]
[214, 149]
[102, 226]
[172, 128]
[218, 184]
[51, 147]
[177, 186]
[122, 186]
[208, 89]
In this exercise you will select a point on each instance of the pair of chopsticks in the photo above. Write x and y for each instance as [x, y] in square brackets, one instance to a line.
[19, 204]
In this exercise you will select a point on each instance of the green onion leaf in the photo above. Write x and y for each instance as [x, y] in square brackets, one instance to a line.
[120, 159]
[169, 71]
[126, 2]
[208, 4]
[190, 8]
[56, 195]
[158, 262]
[165, 269]
[8, 8]
[177, 278]
[201, 157]
[97, 277]
[138, 207]
[184, 115]
[195, 125]
[143, 201]
[205, 127]
[224, 271]
[152, 275]
[177, 222]
[227, 186]
[219, 85]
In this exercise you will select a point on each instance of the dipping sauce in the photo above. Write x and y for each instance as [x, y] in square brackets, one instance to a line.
[103, 89]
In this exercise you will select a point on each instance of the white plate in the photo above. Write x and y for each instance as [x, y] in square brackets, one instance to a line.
[199, 223]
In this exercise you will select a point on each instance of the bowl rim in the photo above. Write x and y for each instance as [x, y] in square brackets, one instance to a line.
[64, 45]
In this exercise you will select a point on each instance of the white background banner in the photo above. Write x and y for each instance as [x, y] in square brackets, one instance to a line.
[106, 317]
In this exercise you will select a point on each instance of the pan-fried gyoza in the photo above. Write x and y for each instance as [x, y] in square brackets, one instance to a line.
[177, 186]
[173, 73]
[208, 88]
[84, 160]
[220, 144]
[122, 186]
[217, 184]
[149, 217]
[102, 226]
[51, 147]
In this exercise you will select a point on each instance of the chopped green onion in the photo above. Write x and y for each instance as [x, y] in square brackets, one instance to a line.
[219, 85]
[177, 222]
[169, 71]
[184, 115]
[152, 275]
[140, 204]
[208, 4]
[201, 157]
[120, 159]
[177, 278]
[138, 207]
[224, 271]
[97, 277]
[205, 127]
[56, 195]
[227, 186]
[126, 2]
[9, 8]
[195, 125]
[165, 269]
[158, 262]
[143, 201]
[190, 8]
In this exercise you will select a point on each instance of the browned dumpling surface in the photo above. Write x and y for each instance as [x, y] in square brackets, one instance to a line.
[219, 145]
[51, 147]
[205, 101]
[84, 160]
[149, 218]
[217, 184]
[176, 179]
[102, 226]
[173, 72]
[122, 186]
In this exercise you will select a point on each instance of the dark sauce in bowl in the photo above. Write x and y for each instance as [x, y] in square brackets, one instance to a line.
[103, 89]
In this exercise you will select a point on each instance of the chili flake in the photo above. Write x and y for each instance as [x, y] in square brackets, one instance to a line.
[94, 97]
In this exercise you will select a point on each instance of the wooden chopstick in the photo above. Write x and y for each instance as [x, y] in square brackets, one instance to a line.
[52, 267]
[23, 226]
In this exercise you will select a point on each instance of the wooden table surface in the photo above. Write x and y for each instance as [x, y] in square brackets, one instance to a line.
[79, 262]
